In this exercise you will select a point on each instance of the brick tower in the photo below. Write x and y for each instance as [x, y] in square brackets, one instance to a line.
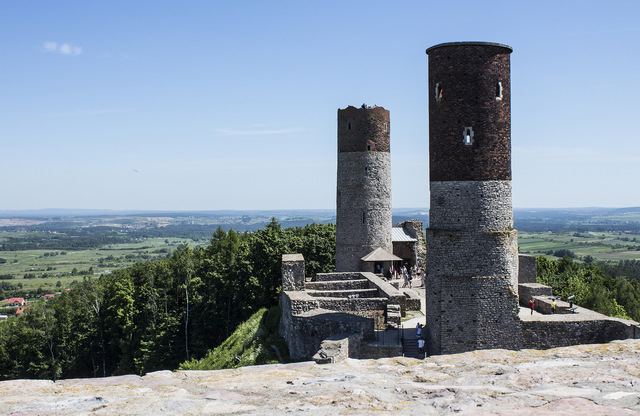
[472, 249]
[363, 200]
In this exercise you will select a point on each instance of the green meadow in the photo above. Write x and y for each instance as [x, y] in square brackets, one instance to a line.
[55, 270]
[605, 246]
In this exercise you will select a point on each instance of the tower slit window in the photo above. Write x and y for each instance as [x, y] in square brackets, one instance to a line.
[499, 91]
[467, 136]
[438, 92]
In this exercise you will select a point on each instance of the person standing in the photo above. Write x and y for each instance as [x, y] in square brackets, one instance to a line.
[532, 305]
[421, 347]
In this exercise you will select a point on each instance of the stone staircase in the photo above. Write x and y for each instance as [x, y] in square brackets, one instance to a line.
[410, 346]
[341, 286]
[349, 291]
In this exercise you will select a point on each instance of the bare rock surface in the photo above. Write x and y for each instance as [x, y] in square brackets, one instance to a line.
[580, 380]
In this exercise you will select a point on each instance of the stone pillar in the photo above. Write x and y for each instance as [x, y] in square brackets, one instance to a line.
[472, 248]
[292, 272]
[363, 200]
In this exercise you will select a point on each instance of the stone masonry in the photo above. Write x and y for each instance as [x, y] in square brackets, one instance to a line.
[472, 249]
[363, 200]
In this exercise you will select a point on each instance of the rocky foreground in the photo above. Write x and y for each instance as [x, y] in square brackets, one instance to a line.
[581, 380]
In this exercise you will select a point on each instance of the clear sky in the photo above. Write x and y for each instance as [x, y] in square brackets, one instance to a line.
[204, 105]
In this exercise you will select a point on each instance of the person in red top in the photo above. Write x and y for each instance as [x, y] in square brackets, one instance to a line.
[531, 305]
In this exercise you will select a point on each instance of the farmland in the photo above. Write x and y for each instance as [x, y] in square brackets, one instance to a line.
[605, 246]
[43, 252]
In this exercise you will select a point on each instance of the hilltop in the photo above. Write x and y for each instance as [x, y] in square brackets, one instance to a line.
[582, 380]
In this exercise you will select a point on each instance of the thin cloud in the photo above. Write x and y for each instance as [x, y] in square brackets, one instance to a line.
[62, 48]
[255, 132]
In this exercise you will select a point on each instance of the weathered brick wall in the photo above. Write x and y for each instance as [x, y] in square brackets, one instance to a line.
[359, 127]
[363, 200]
[467, 74]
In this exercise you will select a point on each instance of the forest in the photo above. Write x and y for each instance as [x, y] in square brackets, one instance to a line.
[609, 288]
[156, 315]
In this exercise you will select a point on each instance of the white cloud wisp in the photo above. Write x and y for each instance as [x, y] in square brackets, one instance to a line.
[62, 49]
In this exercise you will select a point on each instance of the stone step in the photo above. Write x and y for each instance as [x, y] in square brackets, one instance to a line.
[350, 294]
[394, 315]
[324, 277]
[410, 348]
[337, 285]
[352, 304]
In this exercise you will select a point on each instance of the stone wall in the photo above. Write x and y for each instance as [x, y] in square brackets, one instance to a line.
[469, 253]
[527, 291]
[467, 314]
[545, 334]
[412, 251]
[387, 291]
[470, 205]
[527, 272]
[304, 333]
[363, 213]
[292, 272]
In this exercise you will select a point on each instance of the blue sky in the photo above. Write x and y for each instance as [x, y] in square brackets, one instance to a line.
[203, 105]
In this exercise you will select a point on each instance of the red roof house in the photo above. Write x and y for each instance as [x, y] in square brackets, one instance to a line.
[15, 302]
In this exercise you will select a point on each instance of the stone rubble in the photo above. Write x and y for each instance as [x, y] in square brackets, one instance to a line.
[602, 379]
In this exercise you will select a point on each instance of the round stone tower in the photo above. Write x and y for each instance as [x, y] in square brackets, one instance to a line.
[472, 249]
[363, 200]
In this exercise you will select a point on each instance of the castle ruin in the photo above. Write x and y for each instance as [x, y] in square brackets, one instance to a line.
[476, 282]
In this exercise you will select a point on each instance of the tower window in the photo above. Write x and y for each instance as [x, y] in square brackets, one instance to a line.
[368, 147]
[386, 127]
[438, 92]
[363, 217]
[349, 126]
[467, 136]
[499, 91]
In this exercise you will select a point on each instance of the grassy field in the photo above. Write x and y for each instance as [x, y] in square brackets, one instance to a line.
[45, 268]
[607, 246]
